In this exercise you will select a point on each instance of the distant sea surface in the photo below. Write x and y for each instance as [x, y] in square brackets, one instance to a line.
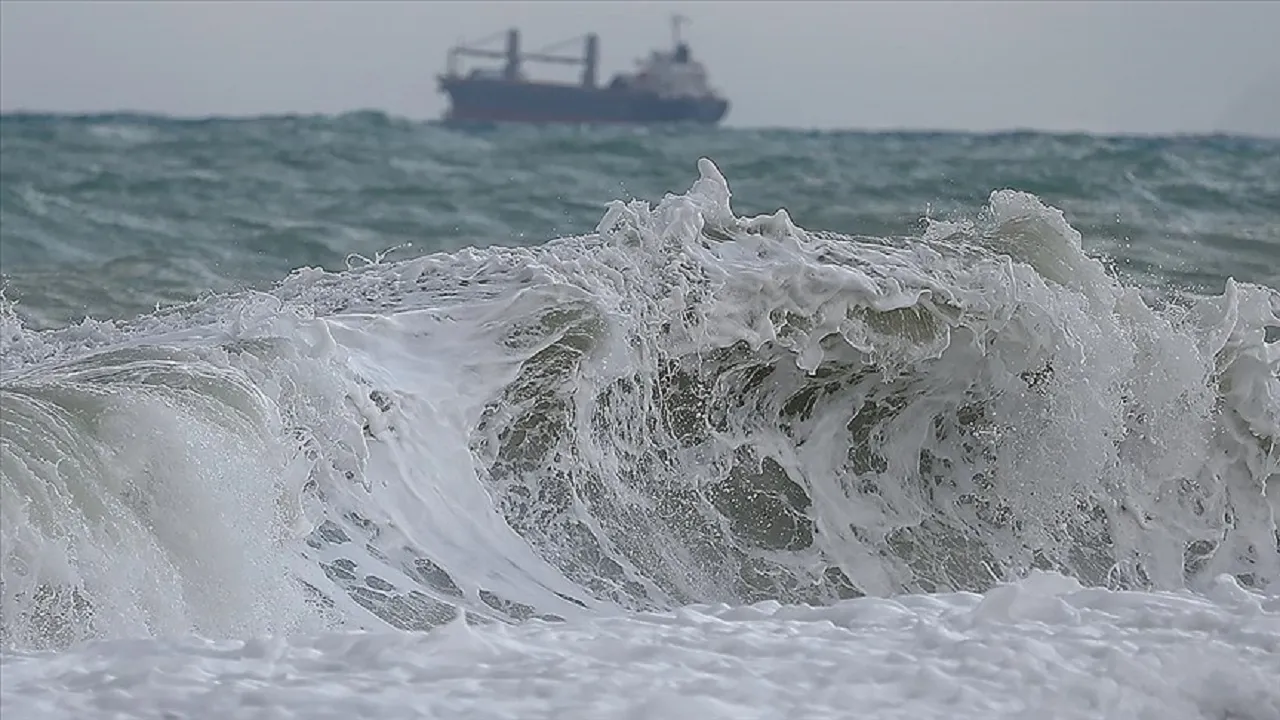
[108, 216]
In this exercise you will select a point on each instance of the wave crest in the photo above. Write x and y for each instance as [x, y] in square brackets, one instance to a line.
[686, 406]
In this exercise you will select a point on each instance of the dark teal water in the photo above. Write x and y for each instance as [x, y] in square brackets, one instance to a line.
[107, 216]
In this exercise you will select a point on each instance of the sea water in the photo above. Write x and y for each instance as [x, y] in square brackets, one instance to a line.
[358, 417]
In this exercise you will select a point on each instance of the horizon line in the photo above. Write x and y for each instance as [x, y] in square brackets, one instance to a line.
[869, 130]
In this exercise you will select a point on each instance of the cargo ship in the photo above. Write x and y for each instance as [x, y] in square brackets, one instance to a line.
[667, 87]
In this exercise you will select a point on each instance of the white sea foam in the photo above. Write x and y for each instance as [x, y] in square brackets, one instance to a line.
[1043, 647]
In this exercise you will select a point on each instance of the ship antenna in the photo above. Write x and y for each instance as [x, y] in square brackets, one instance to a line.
[676, 21]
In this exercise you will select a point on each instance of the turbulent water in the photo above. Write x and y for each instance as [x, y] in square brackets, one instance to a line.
[275, 375]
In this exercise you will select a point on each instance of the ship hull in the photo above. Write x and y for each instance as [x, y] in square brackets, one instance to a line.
[481, 101]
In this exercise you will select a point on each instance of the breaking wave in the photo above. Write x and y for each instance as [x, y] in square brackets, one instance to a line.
[686, 406]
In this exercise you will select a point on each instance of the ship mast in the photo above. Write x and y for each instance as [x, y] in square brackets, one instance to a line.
[676, 21]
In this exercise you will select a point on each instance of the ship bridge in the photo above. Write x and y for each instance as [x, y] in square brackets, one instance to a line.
[673, 74]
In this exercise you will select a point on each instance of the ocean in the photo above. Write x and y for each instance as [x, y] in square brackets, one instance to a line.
[356, 416]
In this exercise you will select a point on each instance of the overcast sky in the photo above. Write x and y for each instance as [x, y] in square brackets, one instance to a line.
[1144, 67]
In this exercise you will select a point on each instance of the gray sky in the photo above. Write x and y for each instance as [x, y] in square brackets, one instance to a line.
[1102, 67]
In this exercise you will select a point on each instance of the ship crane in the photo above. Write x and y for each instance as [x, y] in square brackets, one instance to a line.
[514, 58]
